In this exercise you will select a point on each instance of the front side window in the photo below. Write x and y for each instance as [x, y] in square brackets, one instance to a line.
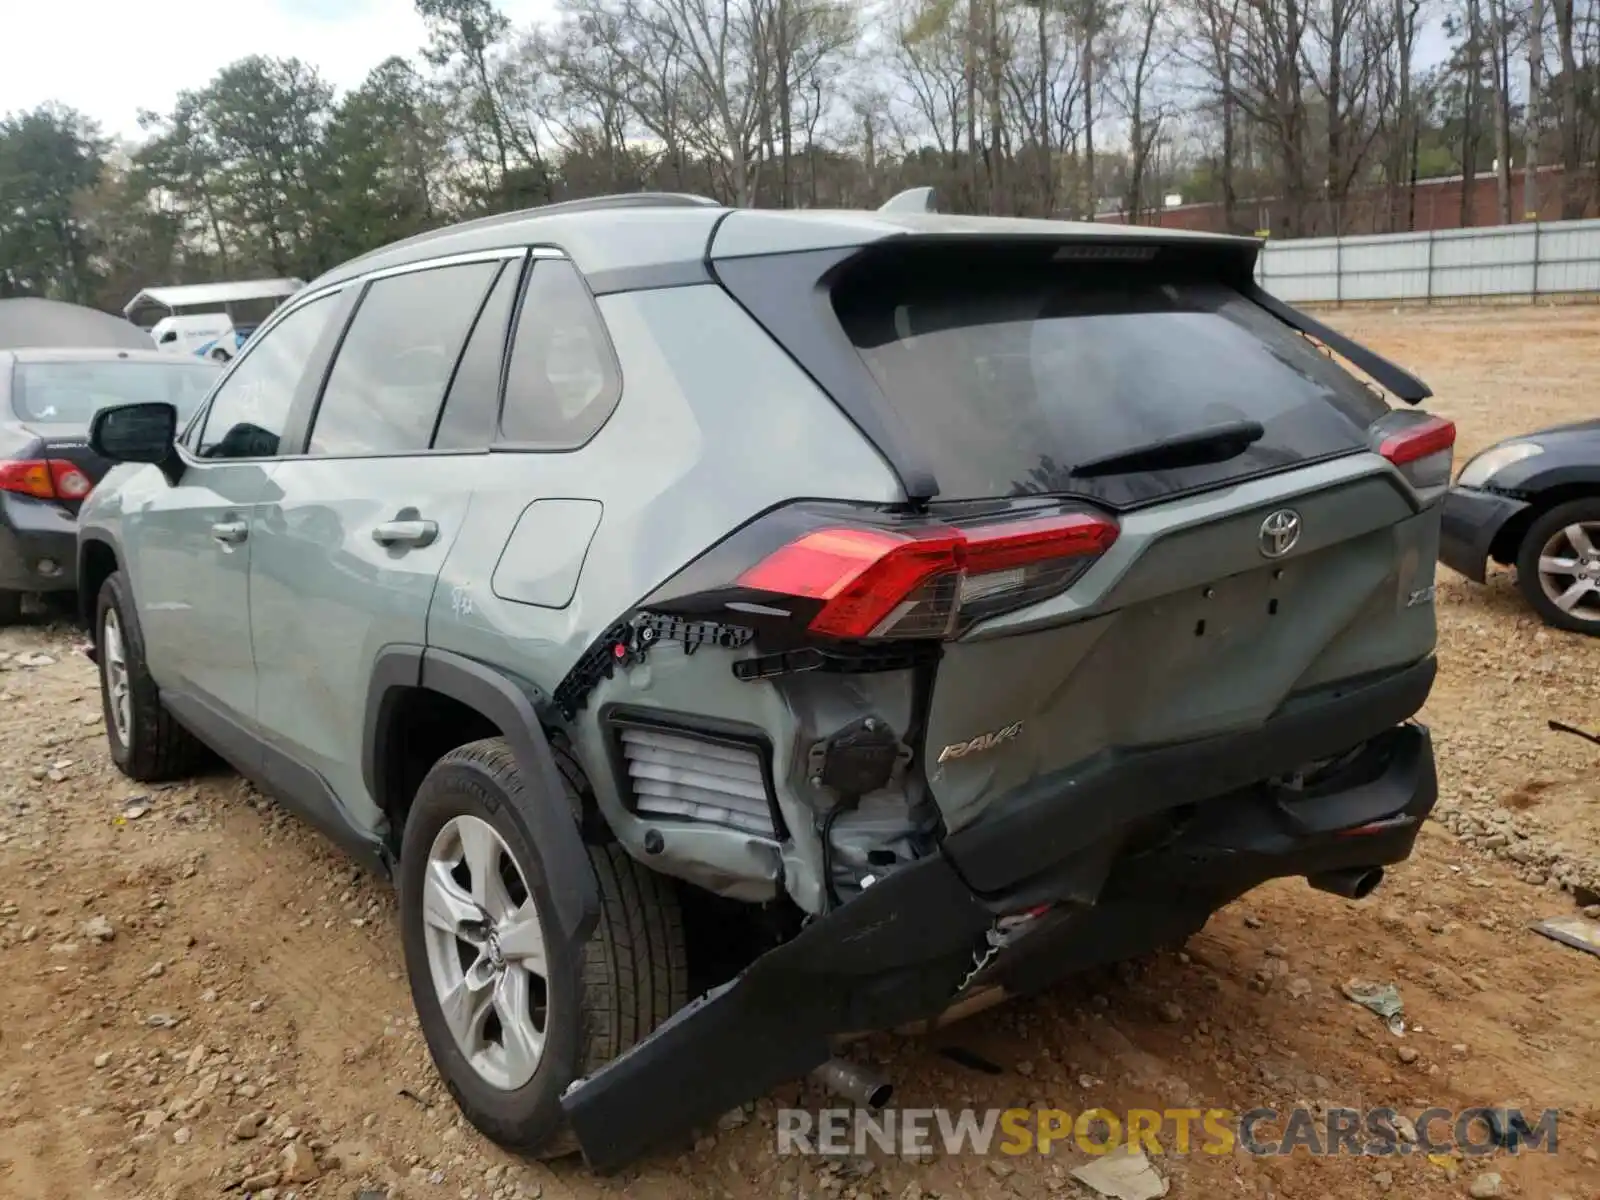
[562, 381]
[250, 410]
[388, 381]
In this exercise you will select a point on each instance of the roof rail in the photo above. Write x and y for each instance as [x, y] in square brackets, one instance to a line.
[626, 200]
[590, 204]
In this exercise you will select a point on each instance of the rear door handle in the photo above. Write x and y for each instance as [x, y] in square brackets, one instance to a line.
[230, 533]
[405, 533]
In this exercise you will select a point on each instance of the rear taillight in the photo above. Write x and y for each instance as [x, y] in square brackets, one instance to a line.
[1422, 446]
[44, 479]
[917, 582]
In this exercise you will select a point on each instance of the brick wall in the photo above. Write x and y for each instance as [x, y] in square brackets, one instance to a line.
[1437, 206]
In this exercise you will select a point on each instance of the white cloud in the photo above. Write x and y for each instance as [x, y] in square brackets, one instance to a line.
[110, 58]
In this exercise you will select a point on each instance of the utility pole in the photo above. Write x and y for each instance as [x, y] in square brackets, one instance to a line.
[1530, 149]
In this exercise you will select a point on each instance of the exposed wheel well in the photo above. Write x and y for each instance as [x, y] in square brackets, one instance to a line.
[99, 563]
[421, 726]
[1504, 547]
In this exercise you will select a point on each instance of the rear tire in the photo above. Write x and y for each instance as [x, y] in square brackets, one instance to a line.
[1549, 540]
[10, 608]
[586, 1008]
[145, 740]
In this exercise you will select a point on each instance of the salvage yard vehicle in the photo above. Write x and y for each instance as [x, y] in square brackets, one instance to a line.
[1533, 502]
[47, 398]
[842, 619]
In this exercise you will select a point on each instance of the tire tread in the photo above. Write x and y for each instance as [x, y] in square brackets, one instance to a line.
[162, 749]
[634, 968]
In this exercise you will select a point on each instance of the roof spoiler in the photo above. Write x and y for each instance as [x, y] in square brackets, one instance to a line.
[1392, 378]
[913, 200]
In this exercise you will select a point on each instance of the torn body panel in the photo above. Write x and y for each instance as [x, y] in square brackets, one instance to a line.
[921, 940]
[695, 698]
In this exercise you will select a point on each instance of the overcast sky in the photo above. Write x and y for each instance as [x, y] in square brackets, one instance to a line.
[110, 58]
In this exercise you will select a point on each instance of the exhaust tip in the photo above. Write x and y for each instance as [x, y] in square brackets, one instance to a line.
[1356, 883]
[1367, 883]
[855, 1083]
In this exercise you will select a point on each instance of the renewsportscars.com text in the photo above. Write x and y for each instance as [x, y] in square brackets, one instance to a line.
[914, 1132]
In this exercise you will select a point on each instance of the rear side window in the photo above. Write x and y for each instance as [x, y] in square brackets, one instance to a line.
[389, 376]
[1009, 379]
[562, 381]
[473, 403]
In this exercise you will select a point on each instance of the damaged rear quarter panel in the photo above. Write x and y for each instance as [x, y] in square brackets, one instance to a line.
[715, 426]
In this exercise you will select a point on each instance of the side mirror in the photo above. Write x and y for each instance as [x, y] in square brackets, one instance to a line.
[136, 433]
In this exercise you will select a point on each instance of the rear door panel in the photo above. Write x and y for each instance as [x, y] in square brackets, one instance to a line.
[325, 597]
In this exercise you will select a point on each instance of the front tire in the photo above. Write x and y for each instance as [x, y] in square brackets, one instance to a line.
[146, 742]
[10, 608]
[510, 1016]
[1558, 566]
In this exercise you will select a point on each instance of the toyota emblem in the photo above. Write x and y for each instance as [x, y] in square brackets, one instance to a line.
[1280, 532]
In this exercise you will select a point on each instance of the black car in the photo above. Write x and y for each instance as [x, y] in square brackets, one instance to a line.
[1533, 502]
[47, 397]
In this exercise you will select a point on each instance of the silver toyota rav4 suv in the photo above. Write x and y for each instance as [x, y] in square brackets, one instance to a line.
[739, 630]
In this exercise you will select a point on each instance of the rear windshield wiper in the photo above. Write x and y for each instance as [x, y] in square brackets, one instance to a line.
[1214, 444]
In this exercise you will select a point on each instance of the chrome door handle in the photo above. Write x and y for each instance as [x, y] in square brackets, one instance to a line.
[230, 533]
[405, 533]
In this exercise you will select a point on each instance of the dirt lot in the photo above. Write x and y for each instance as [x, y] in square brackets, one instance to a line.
[175, 961]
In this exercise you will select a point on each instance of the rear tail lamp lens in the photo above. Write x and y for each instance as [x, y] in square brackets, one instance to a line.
[44, 479]
[1421, 446]
[916, 583]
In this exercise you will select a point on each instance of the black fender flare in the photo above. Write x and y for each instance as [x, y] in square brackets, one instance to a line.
[90, 536]
[574, 891]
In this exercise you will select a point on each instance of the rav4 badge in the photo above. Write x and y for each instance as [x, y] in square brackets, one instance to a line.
[984, 741]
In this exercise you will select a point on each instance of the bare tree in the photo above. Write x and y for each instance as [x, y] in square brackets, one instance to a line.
[1144, 51]
[1500, 28]
[1530, 152]
[1571, 137]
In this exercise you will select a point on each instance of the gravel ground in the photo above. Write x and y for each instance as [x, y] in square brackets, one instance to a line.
[201, 998]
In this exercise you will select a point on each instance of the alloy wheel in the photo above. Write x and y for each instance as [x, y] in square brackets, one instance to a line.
[486, 952]
[1569, 570]
[115, 656]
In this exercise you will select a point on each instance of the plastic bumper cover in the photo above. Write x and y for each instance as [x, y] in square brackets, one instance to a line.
[1470, 521]
[899, 951]
[38, 546]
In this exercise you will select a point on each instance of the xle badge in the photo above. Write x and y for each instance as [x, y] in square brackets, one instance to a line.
[984, 741]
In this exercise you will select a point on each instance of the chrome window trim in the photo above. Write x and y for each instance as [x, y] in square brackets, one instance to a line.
[308, 296]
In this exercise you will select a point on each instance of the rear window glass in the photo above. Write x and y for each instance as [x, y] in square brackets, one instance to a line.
[1008, 382]
[70, 393]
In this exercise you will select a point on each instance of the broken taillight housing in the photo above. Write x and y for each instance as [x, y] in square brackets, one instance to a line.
[1420, 445]
[920, 578]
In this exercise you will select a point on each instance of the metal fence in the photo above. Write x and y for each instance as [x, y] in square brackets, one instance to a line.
[1500, 262]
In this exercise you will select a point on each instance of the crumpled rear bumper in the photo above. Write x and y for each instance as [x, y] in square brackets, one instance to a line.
[900, 951]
